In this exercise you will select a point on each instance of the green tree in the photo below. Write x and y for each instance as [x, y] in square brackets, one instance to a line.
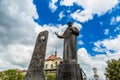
[113, 70]
[20, 76]
[2, 75]
[11, 75]
[50, 76]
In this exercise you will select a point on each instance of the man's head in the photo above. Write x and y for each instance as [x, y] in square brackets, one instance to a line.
[69, 24]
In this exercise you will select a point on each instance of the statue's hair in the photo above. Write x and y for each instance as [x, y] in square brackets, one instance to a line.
[69, 23]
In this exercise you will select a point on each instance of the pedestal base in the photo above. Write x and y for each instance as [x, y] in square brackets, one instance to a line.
[69, 71]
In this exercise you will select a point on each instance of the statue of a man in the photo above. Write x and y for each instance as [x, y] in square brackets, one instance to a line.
[70, 40]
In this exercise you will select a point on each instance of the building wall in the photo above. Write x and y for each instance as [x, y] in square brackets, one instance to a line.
[52, 64]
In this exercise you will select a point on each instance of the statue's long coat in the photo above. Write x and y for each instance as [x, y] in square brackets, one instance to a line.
[70, 39]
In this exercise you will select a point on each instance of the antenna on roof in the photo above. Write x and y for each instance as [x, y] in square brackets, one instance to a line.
[56, 52]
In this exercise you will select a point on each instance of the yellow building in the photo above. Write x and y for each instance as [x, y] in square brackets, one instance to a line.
[51, 63]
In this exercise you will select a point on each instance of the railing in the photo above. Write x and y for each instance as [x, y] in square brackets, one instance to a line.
[83, 74]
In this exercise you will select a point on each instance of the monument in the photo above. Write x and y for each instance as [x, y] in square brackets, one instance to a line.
[36, 67]
[69, 69]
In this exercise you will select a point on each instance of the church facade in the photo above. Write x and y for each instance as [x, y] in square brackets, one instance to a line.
[51, 63]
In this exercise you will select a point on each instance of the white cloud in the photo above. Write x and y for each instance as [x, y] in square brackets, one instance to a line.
[52, 5]
[61, 15]
[15, 56]
[106, 32]
[87, 62]
[17, 33]
[118, 18]
[67, 2]
[80, 42]
[100, 6]
[117, 29]
[18, 37]
[77, 25]
[108, 44]
[115, 20]
[90, 8]
[53, 41]
[82, 16]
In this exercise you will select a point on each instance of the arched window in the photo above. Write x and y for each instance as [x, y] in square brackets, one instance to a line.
[56, 64]
[51, 66]
[46, 66]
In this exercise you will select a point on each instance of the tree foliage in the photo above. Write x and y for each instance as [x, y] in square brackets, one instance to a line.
[113, 70]
[11, 75]
[50, 76]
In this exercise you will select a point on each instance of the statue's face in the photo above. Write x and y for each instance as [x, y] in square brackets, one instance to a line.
[69, 25]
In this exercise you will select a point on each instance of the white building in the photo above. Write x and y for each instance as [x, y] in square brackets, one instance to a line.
[52, 62]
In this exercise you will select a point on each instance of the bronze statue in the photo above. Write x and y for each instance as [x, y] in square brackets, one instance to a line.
[70, 39]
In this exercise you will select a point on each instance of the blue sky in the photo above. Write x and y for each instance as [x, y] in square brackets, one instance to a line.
[99, 33]
[22, 20]
[92, 30]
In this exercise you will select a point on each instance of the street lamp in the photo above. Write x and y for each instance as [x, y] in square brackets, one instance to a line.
[96, 77]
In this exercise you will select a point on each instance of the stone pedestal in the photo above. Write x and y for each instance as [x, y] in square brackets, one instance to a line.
[69, 71]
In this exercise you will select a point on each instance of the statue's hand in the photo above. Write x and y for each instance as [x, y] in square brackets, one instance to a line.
[56, 33]
[59, 36]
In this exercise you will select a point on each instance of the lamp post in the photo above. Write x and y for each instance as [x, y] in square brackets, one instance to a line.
[96, 77]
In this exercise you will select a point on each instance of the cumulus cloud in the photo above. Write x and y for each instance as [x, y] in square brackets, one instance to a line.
[82, 16]
[115, 20]
[90, 8]
[117, 29]
[77, 25]
[53, 41]
[80, 42]
[87, 62]
[107, 45]
[17, 33]
[61, 15]
[16, 20]
[15, 56]
[118, 18]
[67, 2]
[99, 61]
[52, 5]
[106, 31]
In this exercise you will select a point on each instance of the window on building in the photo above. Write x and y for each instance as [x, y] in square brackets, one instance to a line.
[46, 66]
[56, 64]
[51, 66]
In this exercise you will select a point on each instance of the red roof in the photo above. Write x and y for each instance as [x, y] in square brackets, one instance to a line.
[51, 57]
